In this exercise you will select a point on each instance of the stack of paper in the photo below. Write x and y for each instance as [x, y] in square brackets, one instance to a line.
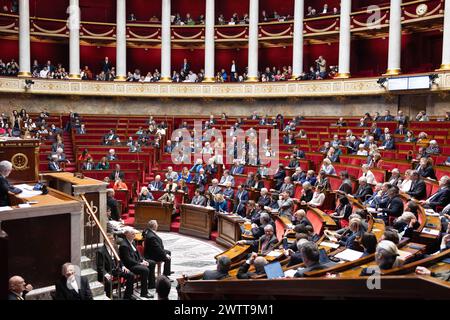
[433, 232]
[274, 254]
[329, 244]
[349, 255]
[290, 273]
[5, 208]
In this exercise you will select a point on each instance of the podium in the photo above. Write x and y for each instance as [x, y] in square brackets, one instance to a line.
[196, 220]
[24, 156]
[95, 193]
[37, 240]
[144, 211]
[229, 227]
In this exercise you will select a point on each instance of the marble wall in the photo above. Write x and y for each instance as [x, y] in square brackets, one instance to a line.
[435, 104]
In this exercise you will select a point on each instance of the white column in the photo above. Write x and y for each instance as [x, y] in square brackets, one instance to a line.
[121, 41]
[344, 39]
[446, 38]
[74, 40]
[209, 41]
[24, 39]
[395, 38]
[253, 41]
[297, 55]
[165, 42]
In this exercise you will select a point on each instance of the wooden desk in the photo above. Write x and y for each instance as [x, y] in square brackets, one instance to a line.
[196, 220]
[94, 192]
[24, 156]
[144, 211]
[229, 227]
[41, 238]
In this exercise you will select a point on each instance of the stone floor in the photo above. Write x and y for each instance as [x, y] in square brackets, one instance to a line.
[189, 256]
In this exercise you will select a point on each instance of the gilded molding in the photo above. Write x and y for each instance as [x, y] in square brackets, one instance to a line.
[319, 88]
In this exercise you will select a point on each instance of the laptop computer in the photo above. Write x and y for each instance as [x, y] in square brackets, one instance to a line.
[274, 270]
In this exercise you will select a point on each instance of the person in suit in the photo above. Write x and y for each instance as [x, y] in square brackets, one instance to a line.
[228, 192]
[156, 185]
[241, 200]
[287, 186]
[299, 218]
[395, 179]
[117, 174]
[111, 156]
[81, 129]
[364, 190]
[400, 130]
[441, 198]
[112, 205]
[53, 164]
[109, 268]
[212, 191]
[418, 189]
[285, 204]
[425, 168]
[133, 260]
[311, 258]
[186, 66]
[346, 185]
[72, 286]
[154, 247]
[106, 65]
[394, 205]
[401, 118]
[387, 116]
[89, 164]
[200, 180]
[5, 187]
[223, 266]
[18, 288]
[257, 262]
[199, 199]
[279, 176]
[226, 178]
[264, 199]
[265, 243]
[237, 168]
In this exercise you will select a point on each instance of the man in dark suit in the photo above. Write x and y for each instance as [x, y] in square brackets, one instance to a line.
[265, 244]
[257, 262]
[237, 168]
[387, 116]
[72, 286]
[81, 129]
[154, 247]
[279, 176]
[133, 260]
[112, 205]
[440, 198]
[264, 199]
[401, 118]
[287, 186]
[241, 200]
[200, 180]
[18, 288]
[198, 199]
[53, 164]
[108, 268]
[394, 205]
[186, 66]
[364, 190]
[346, 185]
[5, 187]
[299, 154]
[223, 266]
[311, 258]
[106, 65]
[117, 174]
[418, 189]
[156, 185]
[388, 143]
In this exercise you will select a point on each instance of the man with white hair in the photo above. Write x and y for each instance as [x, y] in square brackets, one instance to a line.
[264, 199]
[441, 198]
[257, 262]
[53, 164]
[111, 156]
[72, 285]
[170, 174]
[156, 185]
[5, 187]
[433, 148]
[18, 288]
[386, 257]
[227, 178]
[364, 190]
[154, 247]
[395, 179]
[200, 180]
[228, 193]
[265, 243]
[134, 262]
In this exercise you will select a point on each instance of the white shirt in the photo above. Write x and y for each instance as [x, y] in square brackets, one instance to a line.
[233, 68]
[317, 199]
[370, 177]
[132, 246]
[406, 185]
[72, 284]
[43, 73]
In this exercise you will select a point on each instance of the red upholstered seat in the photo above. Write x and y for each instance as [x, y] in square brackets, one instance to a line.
[316, 221]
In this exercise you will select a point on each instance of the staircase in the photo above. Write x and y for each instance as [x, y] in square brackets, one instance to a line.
[68, 150]
[97, 288]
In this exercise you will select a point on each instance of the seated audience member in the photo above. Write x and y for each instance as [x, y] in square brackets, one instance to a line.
[88, 164]
[369, 243]
[287, 186]
[327, 167]
[237, 168]
[120, 185]
[163, 287]
[220, 203]
[111, 156]
[117, 173]
[72, 285]
[310, 256]
[441, 198]
[418, 189]
[433, 148]
[103, 164]
[346, 185]
[285, 205]
[307, 193]
[364, 190]
[53, 164]
[425, 168]
[298, 175]
[257, 262]
[317, 199]
[154, 247]
[263, 244]
[395, 180]
[18, 288]
[370, 177]
[156, 185]
[386, 257]
[351, 238]
[109, 269]
[185, 175]
[299, 218]
[223, 266]
[391, 235]
[170, 174]
[444, 275]
[406, 182]
[406, 224]
[199, 199]
[200, 180]
[112, 205]
[226, 178]
[134, 262]
[241, 199]
[394, 205]
[343, 211]
[228, 192]
[145, 195]
[310, 177]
